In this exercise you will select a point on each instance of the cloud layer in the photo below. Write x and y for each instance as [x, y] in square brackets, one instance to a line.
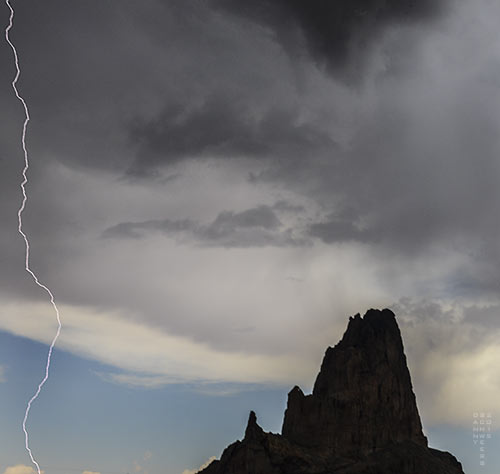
[337, 35]
[19, 469]
[254, 227]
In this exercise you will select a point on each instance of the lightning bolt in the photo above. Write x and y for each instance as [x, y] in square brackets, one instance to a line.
[25, 237]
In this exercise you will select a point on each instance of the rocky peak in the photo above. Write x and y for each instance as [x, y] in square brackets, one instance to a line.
[362, 398]
[361, 417]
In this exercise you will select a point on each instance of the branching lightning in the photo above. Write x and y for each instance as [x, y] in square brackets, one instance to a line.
[24, 236]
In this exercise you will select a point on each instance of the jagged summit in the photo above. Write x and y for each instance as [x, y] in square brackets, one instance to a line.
[361, 417]
[375, 324]
[362, 398]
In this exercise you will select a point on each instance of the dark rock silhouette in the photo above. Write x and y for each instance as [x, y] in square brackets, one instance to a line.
[361, 417]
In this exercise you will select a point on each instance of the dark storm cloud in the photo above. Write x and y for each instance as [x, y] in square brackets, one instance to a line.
[223, 127]
[137, 230]
[337, 231]
[143, 87]
[337, 33]
[341, 226]
[420, 172]
[227, 124]
[284, 206]
[256, 227]
[261, 216]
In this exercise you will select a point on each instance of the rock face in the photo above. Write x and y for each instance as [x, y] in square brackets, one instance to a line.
[361, 417]
[362, 399]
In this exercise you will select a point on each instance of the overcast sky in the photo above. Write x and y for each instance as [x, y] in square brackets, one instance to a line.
[215, 186]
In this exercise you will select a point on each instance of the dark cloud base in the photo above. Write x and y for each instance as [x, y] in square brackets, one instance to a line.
[337, 33]
[256, 227]
[224, 127]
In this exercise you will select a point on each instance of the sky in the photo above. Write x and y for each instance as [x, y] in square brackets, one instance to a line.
[214, 187]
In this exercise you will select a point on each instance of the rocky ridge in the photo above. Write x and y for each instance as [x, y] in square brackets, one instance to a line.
[361, 417]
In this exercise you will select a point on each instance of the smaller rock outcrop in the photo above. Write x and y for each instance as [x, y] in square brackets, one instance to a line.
[361, 417]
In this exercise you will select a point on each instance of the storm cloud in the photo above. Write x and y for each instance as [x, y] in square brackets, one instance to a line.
[223, 127]
[255, 227]
[338, 35]
[239, 105]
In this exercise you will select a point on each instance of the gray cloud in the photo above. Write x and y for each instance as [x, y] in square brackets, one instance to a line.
[255, 227]
[261, 216]
[338, 35]
[284, 206]
[343, 226]
[337, 231]
[137, 229]
[224, 127]
[403, 166]
[482, 316]
[411, 171]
